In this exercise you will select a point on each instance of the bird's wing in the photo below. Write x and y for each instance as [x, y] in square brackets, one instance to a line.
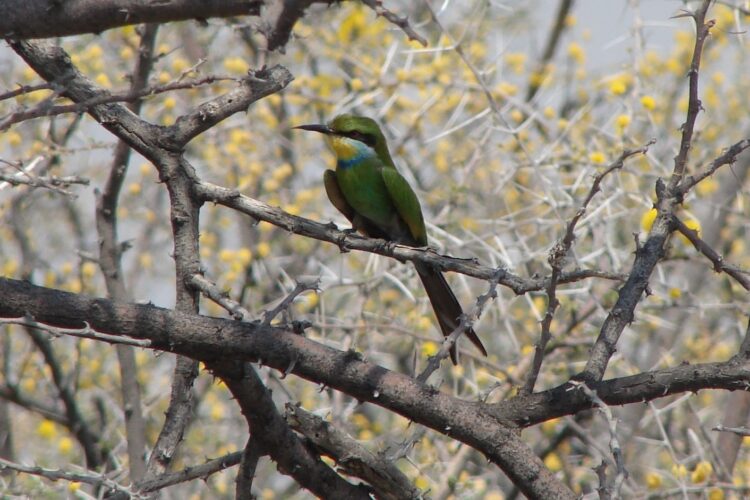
[406, 203]
[359, 223]
[336, 196]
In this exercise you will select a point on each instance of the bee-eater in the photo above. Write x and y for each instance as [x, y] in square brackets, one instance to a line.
[380, 203]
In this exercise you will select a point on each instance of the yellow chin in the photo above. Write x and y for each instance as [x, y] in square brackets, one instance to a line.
[344, 147]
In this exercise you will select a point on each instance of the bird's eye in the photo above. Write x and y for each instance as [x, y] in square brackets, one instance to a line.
[362, 137]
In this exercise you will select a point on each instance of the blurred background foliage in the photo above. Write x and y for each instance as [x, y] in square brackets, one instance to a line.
[498, 182]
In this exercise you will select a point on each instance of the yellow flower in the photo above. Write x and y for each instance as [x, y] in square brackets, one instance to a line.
[553, 462]
[429, 349]
[88, 270]
[715, 494]
[675, 293]
[619, 84]
[707, 186]
[179, 65]
[356, 84]
[702, 472]
[516, 60]
[46, 429]
[170, 102]
[576, 52]
[126, 53]
[679, 470]
[10, 267]
[653, 481]
[693, 225]
[421, 482]
[597, 157]
[217, 411]
[354, 25]
[103, 80]
[622, 121]
[236, 65]
[263, 249]
[244, 255]
[74, 486]
[134, 188]
[648, 218]
[65, 445]
[14, 138]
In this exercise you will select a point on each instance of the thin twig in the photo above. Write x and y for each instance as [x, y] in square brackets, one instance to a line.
[702, 29]
[401, 22]
[86, 332]
[466, 321]
[614, 444]
[728, 157]
[47, 109]
[740, 431]
[59, 474]
[299, 288]
[189, 473]
[210, 290]
[742, 276]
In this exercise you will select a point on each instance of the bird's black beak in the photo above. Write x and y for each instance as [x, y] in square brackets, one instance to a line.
[323, 129]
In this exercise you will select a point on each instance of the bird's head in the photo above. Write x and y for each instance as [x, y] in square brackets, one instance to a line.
[352, 136]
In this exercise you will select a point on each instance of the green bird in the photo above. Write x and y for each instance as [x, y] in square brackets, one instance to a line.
[380, 203]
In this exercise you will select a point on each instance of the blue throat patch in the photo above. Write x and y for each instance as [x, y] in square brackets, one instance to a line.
[350, 152]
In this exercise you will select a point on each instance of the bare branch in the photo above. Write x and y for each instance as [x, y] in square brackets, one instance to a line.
[220, 297]
[401, 22]
[202, 471]
[702, 29]
[37, 19]
[59, 474]
[740, 275]
[299, 288]
[45, 109]
[356, 460]
[740, 431]
[728, 157]
[348, 241]
[609, 489]
[466, 322]
[85, 333]
[215, 341]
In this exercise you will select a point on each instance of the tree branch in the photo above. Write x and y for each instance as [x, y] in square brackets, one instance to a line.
[217, 340]
[42, 19]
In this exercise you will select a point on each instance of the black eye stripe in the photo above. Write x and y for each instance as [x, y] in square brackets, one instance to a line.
[359, 136]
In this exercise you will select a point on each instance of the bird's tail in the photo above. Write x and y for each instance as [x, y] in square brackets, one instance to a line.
[446, 306]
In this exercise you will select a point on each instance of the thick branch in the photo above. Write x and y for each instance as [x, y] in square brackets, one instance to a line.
[45, 19]
[216, 340]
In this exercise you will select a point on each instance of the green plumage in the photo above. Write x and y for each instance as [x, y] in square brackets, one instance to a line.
[379, 202]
